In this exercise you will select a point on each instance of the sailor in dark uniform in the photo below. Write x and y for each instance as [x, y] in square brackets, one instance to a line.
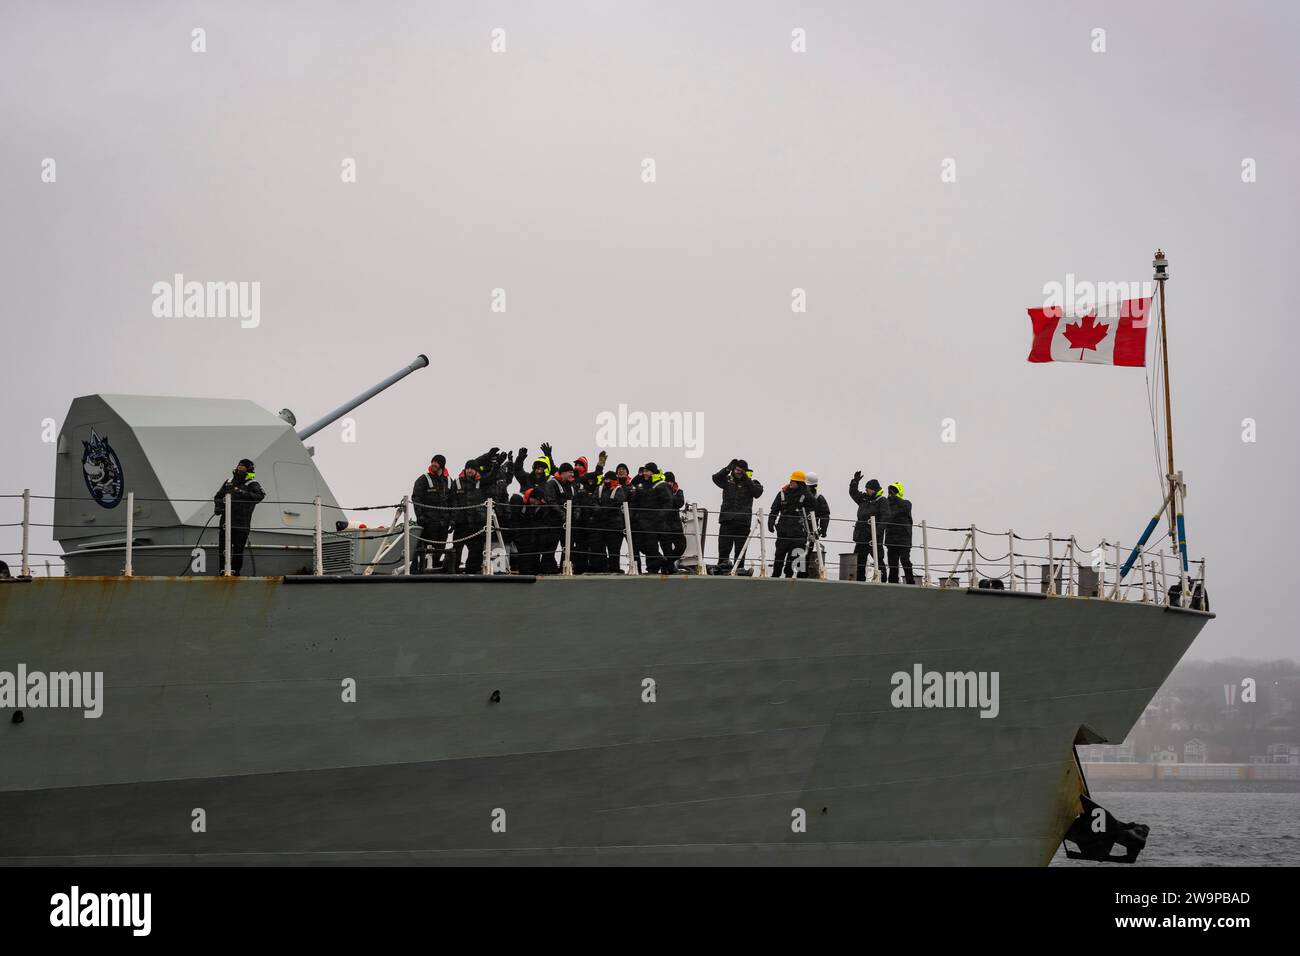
[431, 497]
[245, 492]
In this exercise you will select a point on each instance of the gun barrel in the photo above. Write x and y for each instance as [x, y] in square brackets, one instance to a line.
[420, 362]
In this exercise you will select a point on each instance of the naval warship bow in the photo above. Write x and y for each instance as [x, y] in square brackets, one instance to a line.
[332, 708]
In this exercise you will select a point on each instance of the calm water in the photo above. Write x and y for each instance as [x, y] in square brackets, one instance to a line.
[1230, 825]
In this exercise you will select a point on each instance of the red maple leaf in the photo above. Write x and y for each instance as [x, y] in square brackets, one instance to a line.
[1085, 334]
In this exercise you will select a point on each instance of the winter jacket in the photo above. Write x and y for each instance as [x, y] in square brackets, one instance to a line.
[897, 515]
[789, 508]
[586, 506]
[431, 496]
[611, 497]
[525, 478]
[244, 497]
[738, 497]
[468, 495]
[870, 504]
[554, 494]
[673, 520]
[652, 500]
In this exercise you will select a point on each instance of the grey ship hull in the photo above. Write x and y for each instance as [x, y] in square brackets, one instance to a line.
[226, 695]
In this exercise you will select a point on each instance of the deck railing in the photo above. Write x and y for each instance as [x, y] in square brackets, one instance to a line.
[575, 537]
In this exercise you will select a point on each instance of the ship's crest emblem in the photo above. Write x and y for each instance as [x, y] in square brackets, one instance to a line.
[102, 470]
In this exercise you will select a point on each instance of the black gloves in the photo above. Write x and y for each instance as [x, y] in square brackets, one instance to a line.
[857, 476]
[546, 450]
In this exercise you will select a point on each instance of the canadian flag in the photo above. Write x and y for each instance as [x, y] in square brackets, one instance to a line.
[1114, 334]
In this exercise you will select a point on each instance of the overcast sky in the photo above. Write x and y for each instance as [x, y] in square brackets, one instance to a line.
[821, 170]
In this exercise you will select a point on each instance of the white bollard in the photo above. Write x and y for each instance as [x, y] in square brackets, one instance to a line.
[130, 532]
[631, 548]
[25, 567]
[762, 545]
[567, 568]
[319, 556]
[925, 556]
[406, 534]
[700, 567]
[1101, 573]
[226, 572]
[821, 558]
[1069, 581]
[1011, 560]
[974, 566]
[487, 540]
[875, 550]
[1051, 565]
[1118, 564]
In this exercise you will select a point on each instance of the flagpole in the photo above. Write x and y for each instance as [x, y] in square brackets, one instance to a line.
[1161, 274]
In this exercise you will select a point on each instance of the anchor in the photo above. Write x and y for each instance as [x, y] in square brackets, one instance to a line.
[1096, 833]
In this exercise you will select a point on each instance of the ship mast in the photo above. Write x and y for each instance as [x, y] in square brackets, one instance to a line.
[1161, 274]
[1177, 490]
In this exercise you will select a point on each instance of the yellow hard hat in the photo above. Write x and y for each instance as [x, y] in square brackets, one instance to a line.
[797, 475]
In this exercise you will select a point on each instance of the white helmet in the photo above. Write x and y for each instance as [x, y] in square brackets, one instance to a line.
[811, 479]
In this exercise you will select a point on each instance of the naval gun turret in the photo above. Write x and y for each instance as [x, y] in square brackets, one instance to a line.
[172, 454]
